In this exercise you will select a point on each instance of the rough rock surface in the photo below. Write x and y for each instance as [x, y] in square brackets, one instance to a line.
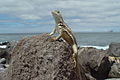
[36, 58]
[114, 49]
[115, 71]
[95, 63]
[11, 45]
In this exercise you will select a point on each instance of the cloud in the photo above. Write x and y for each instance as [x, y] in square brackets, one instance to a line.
[95, 14]
[26, 16]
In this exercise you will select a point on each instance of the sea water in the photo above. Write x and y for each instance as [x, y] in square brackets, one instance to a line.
[99, 40]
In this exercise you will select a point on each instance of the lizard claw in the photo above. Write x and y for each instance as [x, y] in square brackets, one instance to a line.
[52, 39]
[74, 63]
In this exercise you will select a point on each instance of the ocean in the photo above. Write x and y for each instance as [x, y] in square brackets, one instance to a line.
[100, 40]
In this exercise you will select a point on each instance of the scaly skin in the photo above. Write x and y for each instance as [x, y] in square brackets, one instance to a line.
[65, 32]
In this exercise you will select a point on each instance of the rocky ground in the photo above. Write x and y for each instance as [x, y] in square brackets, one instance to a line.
[38, 58]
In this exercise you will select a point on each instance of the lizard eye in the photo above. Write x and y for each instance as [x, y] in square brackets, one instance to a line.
[60, 22]
[58, 11]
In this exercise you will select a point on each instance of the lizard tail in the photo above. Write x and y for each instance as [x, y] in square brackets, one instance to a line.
[76, 60]
[75, 50]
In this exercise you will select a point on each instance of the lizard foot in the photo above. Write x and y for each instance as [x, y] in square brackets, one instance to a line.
[74, 60]
[74, 63]
[52, 39]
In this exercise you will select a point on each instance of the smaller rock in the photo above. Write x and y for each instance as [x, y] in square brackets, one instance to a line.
[6, 65]
[2, 61]
[89, 77]
[114, 49]
[2, 51]
[95, 62]
[115, 71]
[6, 52]
[2, 68]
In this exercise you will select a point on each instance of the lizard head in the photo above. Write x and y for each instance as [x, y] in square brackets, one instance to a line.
[57, 16]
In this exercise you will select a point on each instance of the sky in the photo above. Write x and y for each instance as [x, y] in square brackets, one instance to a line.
[33, 16]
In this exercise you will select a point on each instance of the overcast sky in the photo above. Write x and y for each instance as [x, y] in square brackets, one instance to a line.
[80, 15]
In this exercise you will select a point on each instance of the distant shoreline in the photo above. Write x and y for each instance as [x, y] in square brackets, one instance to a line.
[49, 32]
[18, 33]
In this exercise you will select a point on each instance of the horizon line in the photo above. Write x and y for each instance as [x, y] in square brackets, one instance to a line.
[48, 32]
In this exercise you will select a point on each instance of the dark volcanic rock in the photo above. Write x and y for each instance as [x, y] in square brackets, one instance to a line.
[6, 52]
[115, 71]
[95, 63]
[10, 47]
[36, 58]
[114, 49]
[2, 52]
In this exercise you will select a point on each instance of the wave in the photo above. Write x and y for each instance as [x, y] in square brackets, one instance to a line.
[98, 47]
[3, 46]
[113, 79]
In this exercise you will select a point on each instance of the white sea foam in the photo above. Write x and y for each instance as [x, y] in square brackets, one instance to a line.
[113, 79]
[98, 47]
[3, 46]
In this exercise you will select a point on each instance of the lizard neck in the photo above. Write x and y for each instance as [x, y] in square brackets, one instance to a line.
[58, 20]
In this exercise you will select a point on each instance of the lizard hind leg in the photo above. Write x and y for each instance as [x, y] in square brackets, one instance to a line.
[74, 55]
[76, 60]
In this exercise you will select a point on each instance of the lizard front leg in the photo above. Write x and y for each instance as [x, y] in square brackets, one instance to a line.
[53, 31]
[57, 37]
